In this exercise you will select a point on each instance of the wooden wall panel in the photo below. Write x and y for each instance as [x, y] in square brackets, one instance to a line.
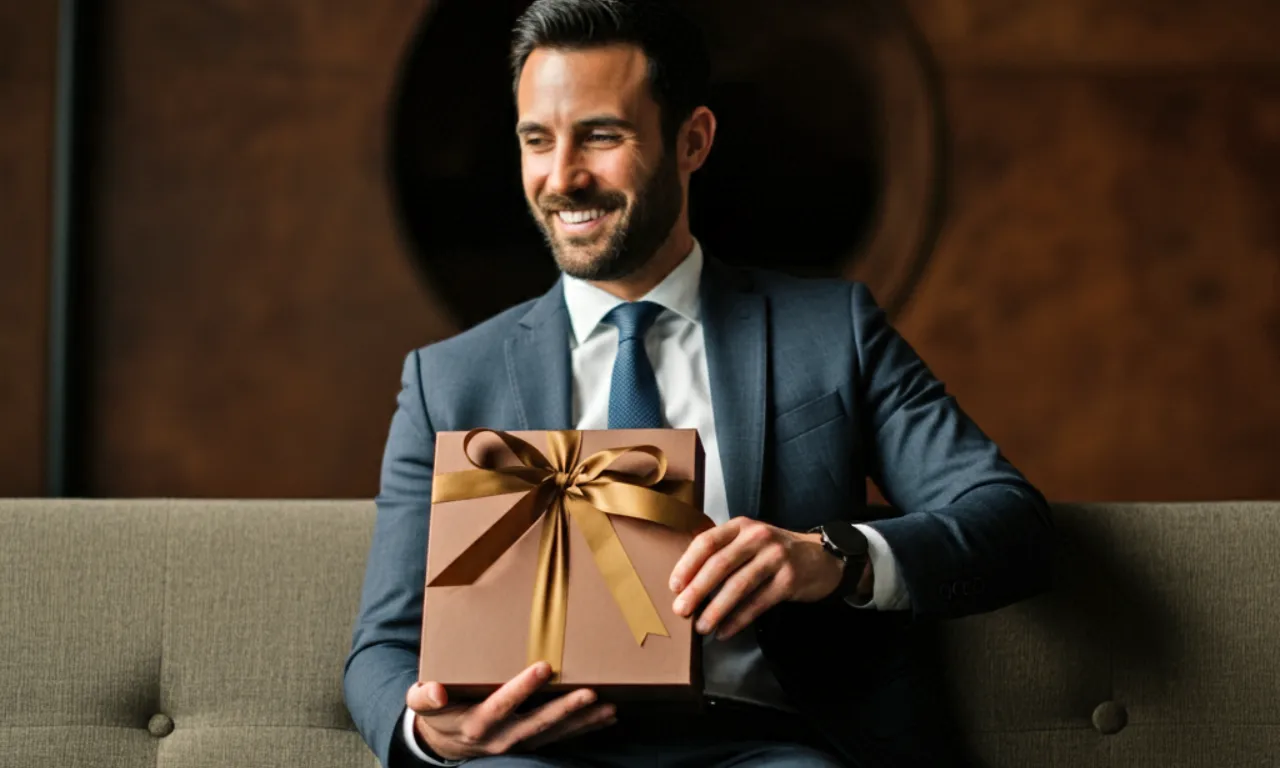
[1105, 298]
[252, 304]
[28, 42]
[1032, 34]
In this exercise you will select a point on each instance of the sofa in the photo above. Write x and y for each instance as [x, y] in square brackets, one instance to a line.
[185, 634]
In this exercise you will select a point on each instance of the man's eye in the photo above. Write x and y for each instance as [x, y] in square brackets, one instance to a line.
[607, 137]
[533, 141]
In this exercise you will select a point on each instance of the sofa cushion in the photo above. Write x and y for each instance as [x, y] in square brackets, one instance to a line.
[230, 618]
[1163, 613]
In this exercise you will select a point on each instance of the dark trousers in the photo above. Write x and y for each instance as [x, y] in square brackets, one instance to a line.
[726, 734]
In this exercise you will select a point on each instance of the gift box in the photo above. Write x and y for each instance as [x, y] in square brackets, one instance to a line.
[559, 546]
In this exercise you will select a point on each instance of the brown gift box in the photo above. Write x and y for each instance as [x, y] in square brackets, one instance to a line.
[475, 637]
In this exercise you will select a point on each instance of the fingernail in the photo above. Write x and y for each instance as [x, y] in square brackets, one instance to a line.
[544, 670]
[703, 626]
[680, 605]
[676, 586]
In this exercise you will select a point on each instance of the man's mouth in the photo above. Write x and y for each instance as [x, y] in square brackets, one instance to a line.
[581, 217]
[581, 222]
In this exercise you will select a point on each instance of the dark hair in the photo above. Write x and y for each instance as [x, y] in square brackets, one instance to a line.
[679, 68]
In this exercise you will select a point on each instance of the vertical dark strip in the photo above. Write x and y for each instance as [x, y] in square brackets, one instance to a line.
[65, 377]
[60, 259]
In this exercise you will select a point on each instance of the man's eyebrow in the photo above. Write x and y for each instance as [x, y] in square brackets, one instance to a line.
[597, 121]
[606, 121]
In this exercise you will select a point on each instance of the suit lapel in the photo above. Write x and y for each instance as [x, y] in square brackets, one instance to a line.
[735, 332]
[538, 364]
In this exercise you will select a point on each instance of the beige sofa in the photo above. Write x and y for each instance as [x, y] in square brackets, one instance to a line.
[188, 633]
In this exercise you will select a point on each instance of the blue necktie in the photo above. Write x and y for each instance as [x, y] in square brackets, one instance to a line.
[633, 395]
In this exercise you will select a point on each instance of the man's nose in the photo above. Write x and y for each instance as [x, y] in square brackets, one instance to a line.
[568, 175]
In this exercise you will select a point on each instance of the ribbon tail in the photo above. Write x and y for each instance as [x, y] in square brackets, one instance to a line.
[618, 571]
[467, 567]
[550, 593]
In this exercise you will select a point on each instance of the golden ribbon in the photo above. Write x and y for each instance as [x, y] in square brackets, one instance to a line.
[559, 487]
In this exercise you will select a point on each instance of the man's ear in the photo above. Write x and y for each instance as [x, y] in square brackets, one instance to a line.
[696, 137]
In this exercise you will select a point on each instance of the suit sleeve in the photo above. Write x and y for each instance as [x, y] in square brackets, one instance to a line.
[383, 662]
[973, 535]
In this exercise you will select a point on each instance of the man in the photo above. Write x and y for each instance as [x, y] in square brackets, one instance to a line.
[799, 389]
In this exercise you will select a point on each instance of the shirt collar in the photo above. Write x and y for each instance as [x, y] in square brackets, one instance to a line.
[678, 292]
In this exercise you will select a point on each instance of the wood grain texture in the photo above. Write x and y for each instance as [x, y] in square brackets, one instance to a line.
[252, 303]
[1031, 34]
[1106, 297]
[28, 43]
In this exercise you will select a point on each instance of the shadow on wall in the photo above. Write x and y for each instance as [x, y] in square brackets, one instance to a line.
[816, 170]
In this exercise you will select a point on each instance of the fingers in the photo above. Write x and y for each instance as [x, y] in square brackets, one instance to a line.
[590, 719]
[718, 568]
[703, 546]
[752, 539]
[747, 580]
[490, 713]
[750, 609]
[425, 698]
[543, 719]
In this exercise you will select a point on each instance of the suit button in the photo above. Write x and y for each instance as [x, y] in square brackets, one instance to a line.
[1109, 718]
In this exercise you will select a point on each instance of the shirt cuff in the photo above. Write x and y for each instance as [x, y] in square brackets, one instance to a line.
[411, 740]
[889, 592]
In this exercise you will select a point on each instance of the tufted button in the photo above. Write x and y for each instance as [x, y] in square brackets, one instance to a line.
[160, 726]
[1109, 718]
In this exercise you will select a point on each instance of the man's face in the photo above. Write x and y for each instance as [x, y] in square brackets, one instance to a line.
[596, 175]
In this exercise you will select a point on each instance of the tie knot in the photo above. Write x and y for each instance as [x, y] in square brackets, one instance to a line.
[633, 318]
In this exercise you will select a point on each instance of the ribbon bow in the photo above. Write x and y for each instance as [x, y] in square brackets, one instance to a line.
[560, 487]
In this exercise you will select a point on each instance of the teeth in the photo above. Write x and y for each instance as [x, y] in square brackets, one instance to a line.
[580, 217]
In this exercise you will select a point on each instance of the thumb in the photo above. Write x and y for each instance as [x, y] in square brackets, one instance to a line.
[425, 698]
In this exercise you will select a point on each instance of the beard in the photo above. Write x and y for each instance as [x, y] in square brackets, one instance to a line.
[642, 227]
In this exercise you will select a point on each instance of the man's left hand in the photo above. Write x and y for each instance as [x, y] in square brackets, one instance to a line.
[756, 566]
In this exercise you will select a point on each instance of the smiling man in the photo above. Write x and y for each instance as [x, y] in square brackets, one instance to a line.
[598, 175]
[814, 617]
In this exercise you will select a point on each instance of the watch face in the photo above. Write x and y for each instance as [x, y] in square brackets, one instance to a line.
[846, 538]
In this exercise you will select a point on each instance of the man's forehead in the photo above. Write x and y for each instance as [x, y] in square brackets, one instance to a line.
[567, 84]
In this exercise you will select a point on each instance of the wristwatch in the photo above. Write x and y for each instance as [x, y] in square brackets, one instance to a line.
[842, 539]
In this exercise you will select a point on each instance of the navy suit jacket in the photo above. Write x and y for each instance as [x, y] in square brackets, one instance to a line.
[813, 392]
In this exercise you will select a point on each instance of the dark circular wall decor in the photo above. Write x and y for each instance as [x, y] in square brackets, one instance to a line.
[828, 159]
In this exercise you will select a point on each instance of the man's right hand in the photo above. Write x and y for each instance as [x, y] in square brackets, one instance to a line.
[493, 727]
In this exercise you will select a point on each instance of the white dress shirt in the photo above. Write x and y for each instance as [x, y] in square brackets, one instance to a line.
[733, 668]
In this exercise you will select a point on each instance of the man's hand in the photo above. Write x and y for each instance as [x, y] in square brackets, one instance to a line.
[493, 727]
[756, 567]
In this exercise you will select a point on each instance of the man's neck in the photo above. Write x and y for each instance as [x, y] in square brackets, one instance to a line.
[635, 286]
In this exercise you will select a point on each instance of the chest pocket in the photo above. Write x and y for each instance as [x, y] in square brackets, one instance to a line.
[808, 417]
[810, 458]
